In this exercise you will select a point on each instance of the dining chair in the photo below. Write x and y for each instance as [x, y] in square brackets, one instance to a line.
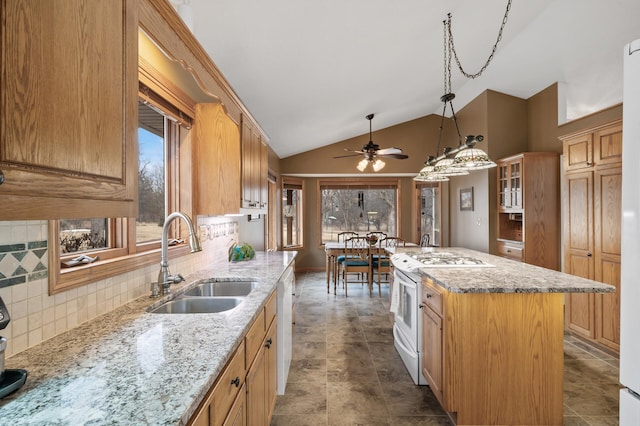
[342, 236]
[346, 235]
[382, 264]
[356, 261]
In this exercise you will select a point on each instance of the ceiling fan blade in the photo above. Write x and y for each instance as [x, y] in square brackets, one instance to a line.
[385, 151]
[349, 155]
[396, 156]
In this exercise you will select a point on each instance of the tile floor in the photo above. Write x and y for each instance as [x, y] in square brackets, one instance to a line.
[345, 370]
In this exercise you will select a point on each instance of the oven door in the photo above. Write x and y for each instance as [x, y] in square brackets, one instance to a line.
[407, 316]
[407, 328]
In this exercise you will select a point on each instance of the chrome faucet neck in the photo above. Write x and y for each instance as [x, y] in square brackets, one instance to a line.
[164, 278]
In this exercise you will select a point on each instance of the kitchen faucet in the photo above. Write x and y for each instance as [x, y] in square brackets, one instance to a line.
[164, 278]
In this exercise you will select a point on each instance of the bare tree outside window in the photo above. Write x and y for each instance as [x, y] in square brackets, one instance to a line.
[358, 210]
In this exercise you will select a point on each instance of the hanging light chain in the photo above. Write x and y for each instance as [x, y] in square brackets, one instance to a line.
[447, 58]
[493, 51]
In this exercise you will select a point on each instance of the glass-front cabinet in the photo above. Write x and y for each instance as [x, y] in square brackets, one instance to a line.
[510, 185]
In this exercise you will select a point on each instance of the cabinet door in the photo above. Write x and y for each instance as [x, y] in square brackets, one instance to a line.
[607, 241]
[247, 164]
[578, 152]
[257, 389]
[238, 414]
[432, 347]
[504, 196]
[608, 145]
[217, 160]
[271, 344]
[515, 184]
[579, 250]
[264, 172]
[68, 118]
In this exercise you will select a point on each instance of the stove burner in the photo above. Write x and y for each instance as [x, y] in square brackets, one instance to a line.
[446, 259]
[409, 262]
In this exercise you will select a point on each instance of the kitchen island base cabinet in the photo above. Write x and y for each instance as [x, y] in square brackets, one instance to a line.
[495, 358]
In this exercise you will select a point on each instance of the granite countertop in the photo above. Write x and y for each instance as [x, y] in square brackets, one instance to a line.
[507, 276]
[132, 367]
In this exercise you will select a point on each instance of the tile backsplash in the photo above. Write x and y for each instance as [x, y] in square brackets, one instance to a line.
[36, 316]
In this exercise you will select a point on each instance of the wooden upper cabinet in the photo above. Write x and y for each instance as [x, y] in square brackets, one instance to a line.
[264, 173]
[597, 147]
[69, 108]
[608, 145]
[578, 152]
[216, 186]
[528, 208]
[254, 167]
[510, 185]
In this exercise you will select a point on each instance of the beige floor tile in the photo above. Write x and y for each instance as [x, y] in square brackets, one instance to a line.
[346, 370]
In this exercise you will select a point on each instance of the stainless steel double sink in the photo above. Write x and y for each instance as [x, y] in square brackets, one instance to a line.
[208, 297]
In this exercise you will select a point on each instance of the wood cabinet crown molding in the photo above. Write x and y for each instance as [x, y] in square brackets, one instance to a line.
[175, 39]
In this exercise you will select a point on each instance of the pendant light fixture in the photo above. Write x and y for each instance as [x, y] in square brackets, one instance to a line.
[466, 157]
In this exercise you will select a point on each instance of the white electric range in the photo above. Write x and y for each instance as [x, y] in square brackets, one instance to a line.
[406, 300]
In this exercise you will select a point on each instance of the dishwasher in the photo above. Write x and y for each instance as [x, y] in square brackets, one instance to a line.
[284, 297]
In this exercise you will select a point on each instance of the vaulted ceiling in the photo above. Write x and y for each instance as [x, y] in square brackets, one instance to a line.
[310, 71]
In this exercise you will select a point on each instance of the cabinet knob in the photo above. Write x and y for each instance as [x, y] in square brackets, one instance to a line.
[588, 163]
[420, 306]
[269, 343]
[236, 381]
[429, 295]
[589, 255]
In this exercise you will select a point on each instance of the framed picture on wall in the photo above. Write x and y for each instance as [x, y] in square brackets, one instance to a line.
[466, 199]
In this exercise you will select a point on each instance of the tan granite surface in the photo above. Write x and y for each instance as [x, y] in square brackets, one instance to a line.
[508, 276]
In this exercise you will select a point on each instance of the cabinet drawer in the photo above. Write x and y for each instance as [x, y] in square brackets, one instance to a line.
[432, 295]
[254, 337]
[511, 251]
[270, 310]
[228, 386]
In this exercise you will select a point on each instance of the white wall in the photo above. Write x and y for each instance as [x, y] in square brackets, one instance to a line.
[36, 316]
[470, 229]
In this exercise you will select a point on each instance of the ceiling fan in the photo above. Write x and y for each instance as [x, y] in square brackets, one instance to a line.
[371, 150]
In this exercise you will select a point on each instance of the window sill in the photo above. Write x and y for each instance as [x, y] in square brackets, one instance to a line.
[66, 279]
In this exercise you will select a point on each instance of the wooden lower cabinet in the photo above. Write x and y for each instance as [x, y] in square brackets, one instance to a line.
[241, 397]
[432, 358]
[214, 409]
[238, 414]
[494, 358]
[261, 380]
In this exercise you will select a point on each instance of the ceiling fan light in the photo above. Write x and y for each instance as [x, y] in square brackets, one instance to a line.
[378, 165]
[362, 164]
[472, 159]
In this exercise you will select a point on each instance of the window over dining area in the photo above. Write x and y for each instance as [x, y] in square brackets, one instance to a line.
[357, 206]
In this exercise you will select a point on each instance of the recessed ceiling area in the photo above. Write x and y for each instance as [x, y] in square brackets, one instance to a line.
[310, 72]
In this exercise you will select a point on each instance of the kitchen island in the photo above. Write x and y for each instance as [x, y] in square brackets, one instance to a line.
[133, 367]
[493, 338]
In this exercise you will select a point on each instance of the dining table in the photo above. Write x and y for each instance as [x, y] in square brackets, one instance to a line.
[333, 249]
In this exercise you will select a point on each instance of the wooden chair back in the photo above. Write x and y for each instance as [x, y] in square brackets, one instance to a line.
[342, 236]
[391, 242]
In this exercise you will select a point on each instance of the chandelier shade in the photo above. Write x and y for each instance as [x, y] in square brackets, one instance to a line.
[472, 158]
